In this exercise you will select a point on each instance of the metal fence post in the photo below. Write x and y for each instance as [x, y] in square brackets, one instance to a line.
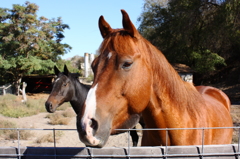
[166, 142]
[129, 143]
[238, 141]
[54, 140]
[19, 153]
[203, 141]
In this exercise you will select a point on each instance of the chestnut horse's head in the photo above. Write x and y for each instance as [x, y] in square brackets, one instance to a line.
[122, 83]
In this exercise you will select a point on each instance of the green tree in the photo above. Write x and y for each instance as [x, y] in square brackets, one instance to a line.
[199, 33]
[28, 44]
[70, 65]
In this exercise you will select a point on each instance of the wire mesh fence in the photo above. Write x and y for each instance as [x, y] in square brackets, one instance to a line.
[53, 150]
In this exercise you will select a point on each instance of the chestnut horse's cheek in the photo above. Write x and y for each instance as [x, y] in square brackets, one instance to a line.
[140, 103]
[139, 99]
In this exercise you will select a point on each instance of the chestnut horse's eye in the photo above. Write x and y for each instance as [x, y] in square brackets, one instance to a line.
[127, 65]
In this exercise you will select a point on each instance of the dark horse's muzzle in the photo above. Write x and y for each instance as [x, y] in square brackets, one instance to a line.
[49, 107]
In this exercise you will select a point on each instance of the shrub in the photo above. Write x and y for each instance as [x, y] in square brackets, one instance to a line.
[69, 113]
[58, 119]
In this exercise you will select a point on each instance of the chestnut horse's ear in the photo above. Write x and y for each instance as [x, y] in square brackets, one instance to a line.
[104, 27]
[128, 25]
[66, 72]
[56, 70]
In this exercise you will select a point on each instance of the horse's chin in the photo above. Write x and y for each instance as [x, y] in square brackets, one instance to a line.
[93, 141]
[51, 110]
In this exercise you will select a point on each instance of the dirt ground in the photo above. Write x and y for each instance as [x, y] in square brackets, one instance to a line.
[67, 138]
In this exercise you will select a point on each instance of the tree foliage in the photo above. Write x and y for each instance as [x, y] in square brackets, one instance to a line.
[199, 33]
[28, 43]
[73, 65]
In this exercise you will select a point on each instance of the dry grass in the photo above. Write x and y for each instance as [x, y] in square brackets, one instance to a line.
[49, 137]
[68, 113]
[11, 106]
[12, 133]
[61, 118]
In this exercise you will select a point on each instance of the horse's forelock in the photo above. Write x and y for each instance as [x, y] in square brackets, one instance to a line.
[119, 42]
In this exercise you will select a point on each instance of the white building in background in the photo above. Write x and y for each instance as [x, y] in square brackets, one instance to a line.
[88, 59]
[184, 71]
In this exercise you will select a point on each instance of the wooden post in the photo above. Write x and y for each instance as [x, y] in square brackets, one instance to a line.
[4, 90]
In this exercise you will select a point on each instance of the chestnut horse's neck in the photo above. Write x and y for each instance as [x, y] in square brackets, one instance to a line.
[170, 94]
[80, 94]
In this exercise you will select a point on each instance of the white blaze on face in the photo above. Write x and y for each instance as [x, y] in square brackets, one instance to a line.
[109, 55]
[90, 107]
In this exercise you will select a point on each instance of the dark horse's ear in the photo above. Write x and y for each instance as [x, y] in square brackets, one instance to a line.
[56, 70]
[104, 27]
[128, 25]
[66, 72]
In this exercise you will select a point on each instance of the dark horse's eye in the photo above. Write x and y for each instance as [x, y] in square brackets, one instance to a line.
[127, 65]
[64, 84]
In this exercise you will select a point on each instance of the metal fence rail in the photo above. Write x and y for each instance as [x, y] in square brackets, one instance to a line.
[224, 151]
[196, 151]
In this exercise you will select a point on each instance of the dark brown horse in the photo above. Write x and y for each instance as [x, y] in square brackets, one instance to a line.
[67, 88]
[131, 76]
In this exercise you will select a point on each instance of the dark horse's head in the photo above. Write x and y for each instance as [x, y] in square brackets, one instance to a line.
[63, 89]
[121, 86]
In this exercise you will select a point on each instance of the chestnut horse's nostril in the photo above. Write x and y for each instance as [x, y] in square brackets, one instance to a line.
[91, 125]
[94, 125]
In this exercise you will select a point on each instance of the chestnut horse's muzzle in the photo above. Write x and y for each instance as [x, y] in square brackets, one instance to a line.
[90, 134]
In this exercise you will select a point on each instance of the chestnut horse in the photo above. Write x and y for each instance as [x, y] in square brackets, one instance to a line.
[131, 76]
[67, 88]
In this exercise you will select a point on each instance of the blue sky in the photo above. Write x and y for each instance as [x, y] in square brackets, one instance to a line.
[82, 17]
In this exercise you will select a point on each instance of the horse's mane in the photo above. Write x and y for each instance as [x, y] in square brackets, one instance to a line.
[75, 77]
[181, 92]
